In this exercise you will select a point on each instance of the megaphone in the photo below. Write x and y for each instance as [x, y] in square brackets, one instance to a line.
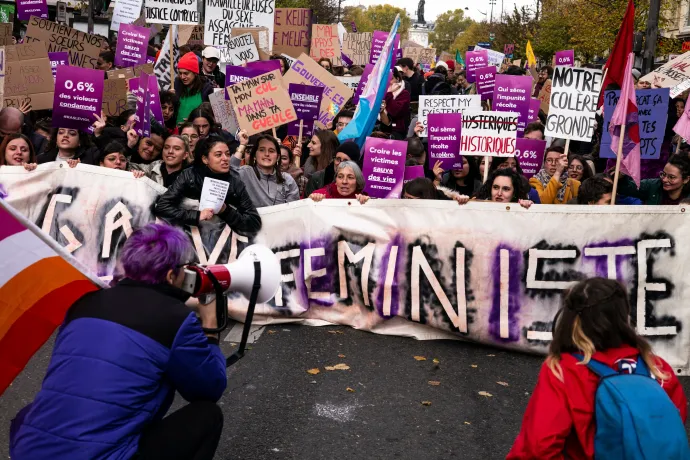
[255, 274]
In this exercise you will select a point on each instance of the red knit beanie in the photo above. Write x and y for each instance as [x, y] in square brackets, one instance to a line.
[451, 65]
[189, 62]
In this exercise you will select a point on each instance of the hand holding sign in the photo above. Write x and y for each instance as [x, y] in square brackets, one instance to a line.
[78, 97]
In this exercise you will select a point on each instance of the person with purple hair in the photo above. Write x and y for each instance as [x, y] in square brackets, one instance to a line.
[120, 356]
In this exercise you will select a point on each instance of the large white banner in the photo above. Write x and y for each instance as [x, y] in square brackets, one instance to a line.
[487, 272]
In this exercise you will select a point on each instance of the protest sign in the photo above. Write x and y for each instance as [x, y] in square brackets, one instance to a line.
[544, 97]
[389, 291]
[412, 172]
[475, 60]
[574, 96]
[171, 12]
[125, 12]
[325, 43]
[486, 78]
[489, 133]
[350, 81]
[446, 104]
[423, 56]
[261, 39]
[566, 58]
[28, 76]
[509, 49]
[378, 39]
[190, 35]
[155, 101]
[261, 103]
[290, 60]
[675, 75]
[534, 104]
[5, 33]
[222, 112]
[114, 96]
[139, 87]
[130, 72]
[28, 8]
[384, 167]
[307, 102]
[652, 106]
[132, 42]
[213, 194]
[163, 65]
[512, 94]
[240, 50]
[83, 48]
[58, 58]
[335, 94]
[292, 31]
[529, 154]
[495, 58]
[236, 74]
[363, 82]
[444, 140]
[223, 15]
[78, 97]
[357, 46]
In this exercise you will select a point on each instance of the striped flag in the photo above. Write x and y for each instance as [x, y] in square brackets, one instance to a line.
[39, 281]
[369, 102]
[626, 113]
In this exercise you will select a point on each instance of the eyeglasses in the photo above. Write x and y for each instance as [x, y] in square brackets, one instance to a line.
[192, 136]
[663, 175]
[551, 161]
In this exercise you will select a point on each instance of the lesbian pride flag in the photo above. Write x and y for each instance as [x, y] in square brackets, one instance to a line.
[39, 281]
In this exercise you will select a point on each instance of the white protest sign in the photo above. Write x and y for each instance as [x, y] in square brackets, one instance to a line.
[222, 111]
[213, 194]
[125, 12]
[221, 16]
[446, 104]
[290, 60]
[350, 81]
[239, 50]
[488, 133]
[495, 57]
[171, 12]
[573, 105]
[675, 74]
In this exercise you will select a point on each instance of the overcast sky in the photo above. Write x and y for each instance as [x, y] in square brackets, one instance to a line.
[433, 8]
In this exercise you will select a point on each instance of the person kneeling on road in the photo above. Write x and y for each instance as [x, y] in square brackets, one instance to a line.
[119, 356]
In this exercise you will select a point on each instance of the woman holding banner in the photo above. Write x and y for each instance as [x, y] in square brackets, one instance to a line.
[349, 183]
[502, 186]
[17, 150]
[70, 145]
[552, 182]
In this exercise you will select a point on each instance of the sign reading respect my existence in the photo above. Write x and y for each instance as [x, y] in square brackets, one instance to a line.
[446, 104]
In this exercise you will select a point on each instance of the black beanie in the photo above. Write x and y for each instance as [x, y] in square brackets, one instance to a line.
[351, 149]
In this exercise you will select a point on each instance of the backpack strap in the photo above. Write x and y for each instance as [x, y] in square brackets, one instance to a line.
[599, 368]
[641, 367]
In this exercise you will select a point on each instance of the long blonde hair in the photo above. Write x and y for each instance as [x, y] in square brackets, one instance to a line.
[595, 317]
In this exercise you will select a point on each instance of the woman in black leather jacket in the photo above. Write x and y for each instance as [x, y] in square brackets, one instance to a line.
[214, 162]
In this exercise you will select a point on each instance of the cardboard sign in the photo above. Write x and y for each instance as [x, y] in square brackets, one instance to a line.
[350, 81]
[652, 107]
[307, 103]
[125, 12]
[489, 133]
[222, 111]
[28, 76]
[190, 35]
[83, 48]
[423, 56]
[28, 8]
[335, 94]
[236, 74]
[475, 60]
[130, 72]
[545, 97]
[486, 79]
[574, 97]
[444, 140]
[325, 43]
[565, 58]
[239, 50]
[5, 34]
[357, 47]
[223, 15]
[509, 49]
[132, 43]
[675, 75]
[114, 96]
[261, 103]
[58, 58]
[78, 97]
[171, 12]
[512, 94]
[530, 155]
[292, 31]
[446, 104]
[384, 167]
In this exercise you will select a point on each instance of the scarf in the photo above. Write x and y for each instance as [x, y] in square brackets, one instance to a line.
[544, 178]
[332, 192]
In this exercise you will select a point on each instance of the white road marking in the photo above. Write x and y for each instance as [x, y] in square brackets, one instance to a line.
[235, 334]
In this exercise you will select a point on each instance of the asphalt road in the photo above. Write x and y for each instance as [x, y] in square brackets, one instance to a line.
[275, 409]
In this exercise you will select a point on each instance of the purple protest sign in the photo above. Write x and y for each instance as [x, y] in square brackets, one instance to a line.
[132, 43]
[362, 83]
[384, 167]
[150, 60]
[512, 94]
[475, 60]
[156, 109]
[412, 172]
[138, 86]
[444, 139]
[534, 104]
[378, 40]
[346, 59]
[28, 8]
[486, 77]
[566, 58]
[78, 97]
[235, 73]
[58, 58]
[530, 154]
[307, 103]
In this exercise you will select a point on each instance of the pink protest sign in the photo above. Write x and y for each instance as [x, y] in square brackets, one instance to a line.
[534, 104]
[443, 131]
[78, 97]
[566, 57]
[412, 172]
[475, 60]
[384, 167]
[486, 78]
[530, 154]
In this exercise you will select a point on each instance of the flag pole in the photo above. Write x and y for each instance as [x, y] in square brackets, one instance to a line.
[619, 154]
[487, 164]
[299, 140]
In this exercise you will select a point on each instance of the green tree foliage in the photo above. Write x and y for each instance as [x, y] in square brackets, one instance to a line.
[377, 17]
[447, 27]
[476, 32]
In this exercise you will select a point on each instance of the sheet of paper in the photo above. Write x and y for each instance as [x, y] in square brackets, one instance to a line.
[213, 194]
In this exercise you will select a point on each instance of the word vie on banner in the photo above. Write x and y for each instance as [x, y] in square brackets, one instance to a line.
[573, 104]
[414, 268]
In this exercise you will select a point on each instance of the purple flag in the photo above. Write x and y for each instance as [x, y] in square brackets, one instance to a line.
[444, 140]
[78, 97]
[306, 100]
[234, 73]
[566, 58]
[28, 8]
[413, 172]
[346, 59]
[512, 94]
[530, 155]
[486, 77]
[58, 58]
[132, 43]
[384, 167]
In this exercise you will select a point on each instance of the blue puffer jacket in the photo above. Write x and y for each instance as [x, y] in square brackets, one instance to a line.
[118, 359]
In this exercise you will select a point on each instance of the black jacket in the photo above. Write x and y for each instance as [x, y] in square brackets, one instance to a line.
[240, 213]
[320, 179]
[217, 79]
[88, 156]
